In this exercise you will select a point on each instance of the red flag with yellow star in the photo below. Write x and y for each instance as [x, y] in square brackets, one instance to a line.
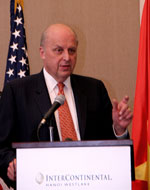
[141, 115]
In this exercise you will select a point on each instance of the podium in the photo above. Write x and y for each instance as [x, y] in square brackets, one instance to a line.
[74, 165]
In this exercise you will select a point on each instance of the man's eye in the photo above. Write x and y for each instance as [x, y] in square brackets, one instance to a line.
[72, 51]
[58, 50]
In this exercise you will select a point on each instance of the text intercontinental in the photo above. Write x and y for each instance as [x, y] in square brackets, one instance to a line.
[92, 177]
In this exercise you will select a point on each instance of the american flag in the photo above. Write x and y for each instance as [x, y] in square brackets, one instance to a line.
[17, 60]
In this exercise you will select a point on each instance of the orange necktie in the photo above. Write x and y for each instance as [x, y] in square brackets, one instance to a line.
[66, 124]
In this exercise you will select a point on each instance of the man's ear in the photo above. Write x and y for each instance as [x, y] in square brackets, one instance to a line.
[42, 52]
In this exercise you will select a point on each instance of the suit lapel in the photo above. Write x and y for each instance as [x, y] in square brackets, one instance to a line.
[81, 104]
[41, 95]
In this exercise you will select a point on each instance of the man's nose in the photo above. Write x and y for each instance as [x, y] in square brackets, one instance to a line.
[66, 56]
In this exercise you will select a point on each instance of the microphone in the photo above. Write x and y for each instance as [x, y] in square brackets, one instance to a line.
[59, 100]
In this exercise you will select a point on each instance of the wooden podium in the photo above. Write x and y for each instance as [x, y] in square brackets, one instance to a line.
[75, 165]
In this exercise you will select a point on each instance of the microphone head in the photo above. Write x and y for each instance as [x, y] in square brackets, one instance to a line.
[60, 99]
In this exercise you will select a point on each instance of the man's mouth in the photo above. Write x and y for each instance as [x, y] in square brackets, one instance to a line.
[66, 66]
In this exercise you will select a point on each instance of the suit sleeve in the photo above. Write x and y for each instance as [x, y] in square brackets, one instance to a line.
[99, 113]
[7, 123]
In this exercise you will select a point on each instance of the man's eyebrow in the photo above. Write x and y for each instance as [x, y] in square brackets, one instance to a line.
[57, 46]
[72, 47]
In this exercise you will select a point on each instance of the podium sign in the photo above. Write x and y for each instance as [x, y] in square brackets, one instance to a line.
[87, 165]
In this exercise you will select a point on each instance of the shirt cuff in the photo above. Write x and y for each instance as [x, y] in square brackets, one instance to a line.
[123, 136]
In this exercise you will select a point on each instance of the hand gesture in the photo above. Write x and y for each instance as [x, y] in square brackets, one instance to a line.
[122, 115]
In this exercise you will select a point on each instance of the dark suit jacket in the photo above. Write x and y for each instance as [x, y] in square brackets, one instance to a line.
[25, 101]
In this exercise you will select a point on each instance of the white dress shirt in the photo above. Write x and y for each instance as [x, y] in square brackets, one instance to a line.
[52, 87]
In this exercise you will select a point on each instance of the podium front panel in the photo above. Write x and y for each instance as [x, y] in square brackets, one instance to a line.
[74, 168]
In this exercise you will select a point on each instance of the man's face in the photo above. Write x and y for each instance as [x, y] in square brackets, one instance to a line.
[59, 54]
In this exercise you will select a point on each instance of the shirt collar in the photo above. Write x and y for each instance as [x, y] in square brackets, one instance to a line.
[52, 83]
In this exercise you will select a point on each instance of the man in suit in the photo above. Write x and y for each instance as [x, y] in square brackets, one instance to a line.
[24, 102]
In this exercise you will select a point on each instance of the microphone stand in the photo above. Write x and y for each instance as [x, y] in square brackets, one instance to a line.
[51, 129]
